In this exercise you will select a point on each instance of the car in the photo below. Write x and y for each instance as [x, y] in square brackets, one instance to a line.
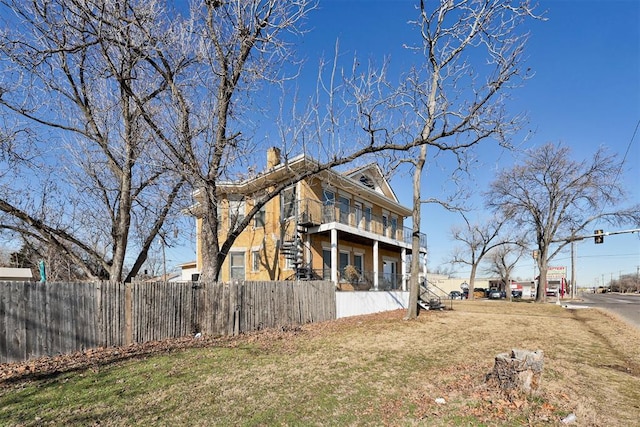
[455, 295]
[465, 294]
[495, 294]
[516, 294]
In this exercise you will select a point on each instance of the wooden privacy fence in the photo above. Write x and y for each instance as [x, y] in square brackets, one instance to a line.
[56, 318]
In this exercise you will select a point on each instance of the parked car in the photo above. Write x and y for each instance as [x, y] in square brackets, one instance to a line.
[455, 295]
[495, 294]
[465, 294]
[516, 294]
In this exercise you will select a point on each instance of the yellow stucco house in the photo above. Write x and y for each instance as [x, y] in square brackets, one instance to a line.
[344, 227]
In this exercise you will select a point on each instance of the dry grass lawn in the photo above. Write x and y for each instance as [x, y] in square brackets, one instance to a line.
[370, 370]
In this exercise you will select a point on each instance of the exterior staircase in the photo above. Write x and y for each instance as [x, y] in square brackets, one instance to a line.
[428, 299]
[292, 248]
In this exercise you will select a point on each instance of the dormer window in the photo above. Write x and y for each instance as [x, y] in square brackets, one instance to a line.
[366, 181]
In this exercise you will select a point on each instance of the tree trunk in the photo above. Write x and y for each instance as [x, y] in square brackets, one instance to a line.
[472, 280]
[518, 371]
[414, 289]
[541, 291]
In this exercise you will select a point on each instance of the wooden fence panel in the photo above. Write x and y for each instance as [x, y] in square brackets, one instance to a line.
[4, 317]
[38, 320]
[14, 322]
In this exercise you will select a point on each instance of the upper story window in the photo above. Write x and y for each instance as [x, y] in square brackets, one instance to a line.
[259, 218]
[288, 202]
[345, 206]
[385, 223]
[328, 197]
[367, 217]
[367, 181]
[236, 212]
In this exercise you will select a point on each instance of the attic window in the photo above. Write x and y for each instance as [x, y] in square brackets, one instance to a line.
[366, 181]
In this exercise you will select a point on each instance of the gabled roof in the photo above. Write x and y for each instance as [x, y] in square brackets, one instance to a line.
[379, 192]
[370, 175]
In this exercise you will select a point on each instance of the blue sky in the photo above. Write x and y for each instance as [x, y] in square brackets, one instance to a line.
[585, 93]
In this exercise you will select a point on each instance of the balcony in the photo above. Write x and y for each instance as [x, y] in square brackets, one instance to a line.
[364, 281]
[313, 213]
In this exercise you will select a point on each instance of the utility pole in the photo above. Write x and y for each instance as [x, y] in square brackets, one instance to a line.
[574, 293]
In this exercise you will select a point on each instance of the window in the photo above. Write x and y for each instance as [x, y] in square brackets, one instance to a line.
[385, 223]
[367, 218]
[259, 218]
[329, 197]
[344, 261]
[236, 262]
[329, 201]
[326, 264]
[236, 212]
[366, 181]
[288, 202]
[344, 209]
[394, 227]
[357, 208]
[358, 262]
[255, 261]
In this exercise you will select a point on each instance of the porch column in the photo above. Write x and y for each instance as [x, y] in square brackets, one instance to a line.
[334, 256]
[375, 265]
[403, 268]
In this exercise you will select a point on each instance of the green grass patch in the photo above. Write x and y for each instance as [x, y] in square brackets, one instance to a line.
[371, 370]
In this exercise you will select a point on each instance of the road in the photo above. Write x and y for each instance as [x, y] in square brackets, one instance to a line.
[626, 306]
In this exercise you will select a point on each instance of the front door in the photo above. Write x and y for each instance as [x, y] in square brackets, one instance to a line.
[390, 274]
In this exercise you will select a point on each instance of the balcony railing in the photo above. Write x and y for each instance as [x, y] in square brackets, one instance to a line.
[363, 282]
[313, 212]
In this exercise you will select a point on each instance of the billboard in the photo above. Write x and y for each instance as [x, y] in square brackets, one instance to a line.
[556, 273]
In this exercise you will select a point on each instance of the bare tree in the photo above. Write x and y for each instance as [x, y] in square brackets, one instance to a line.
[74, 72]
[502, 260]
[454, 103]
[478, 240]
[552, 196]
[134, 93]
[452, 106]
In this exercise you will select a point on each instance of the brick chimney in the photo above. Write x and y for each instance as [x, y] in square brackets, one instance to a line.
[273, 157]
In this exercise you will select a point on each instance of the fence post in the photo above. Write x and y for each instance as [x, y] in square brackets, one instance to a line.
[128, 314]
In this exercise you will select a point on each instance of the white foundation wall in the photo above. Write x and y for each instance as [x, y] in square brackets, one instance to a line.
[357, 303]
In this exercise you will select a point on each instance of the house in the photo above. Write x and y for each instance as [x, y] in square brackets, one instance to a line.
[344, 227]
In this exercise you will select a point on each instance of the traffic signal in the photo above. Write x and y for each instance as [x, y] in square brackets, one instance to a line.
[599, 236]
